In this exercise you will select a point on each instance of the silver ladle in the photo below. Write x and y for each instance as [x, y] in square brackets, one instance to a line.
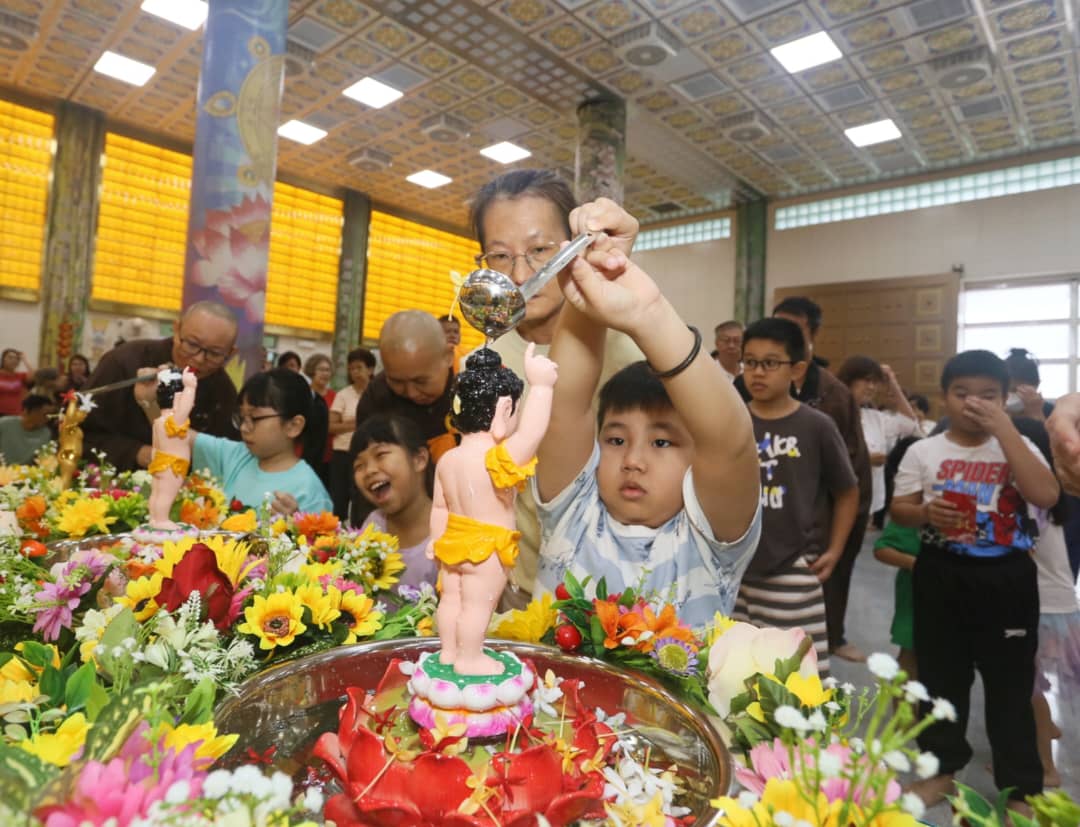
[494, 305]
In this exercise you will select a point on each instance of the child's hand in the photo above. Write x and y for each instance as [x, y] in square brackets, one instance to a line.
[944, 515]
[611, 290]
[989, 416]
[284, 504]
[604, 217]
[1032, 399]
[539, 370]
[1064, 429]
[823, 566]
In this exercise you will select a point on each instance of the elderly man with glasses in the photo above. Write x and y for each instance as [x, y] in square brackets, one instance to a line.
[120, 425]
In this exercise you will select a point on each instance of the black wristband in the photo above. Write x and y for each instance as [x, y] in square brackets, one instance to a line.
[685, 363]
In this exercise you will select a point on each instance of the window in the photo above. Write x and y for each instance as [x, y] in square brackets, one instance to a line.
[408, 266]
[1040, 317]
[679, 234]
[1063, 172]
[26, 137]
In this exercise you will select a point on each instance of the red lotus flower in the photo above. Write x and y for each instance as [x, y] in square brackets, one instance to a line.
[198, 572]
[387, 790]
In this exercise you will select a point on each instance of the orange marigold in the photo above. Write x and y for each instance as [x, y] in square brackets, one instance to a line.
[199, 514]
[617, 623]
[311, 525]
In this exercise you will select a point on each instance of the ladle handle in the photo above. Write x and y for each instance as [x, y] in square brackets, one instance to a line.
[555, 265]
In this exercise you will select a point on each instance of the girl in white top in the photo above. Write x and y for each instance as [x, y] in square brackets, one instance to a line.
[882, 429]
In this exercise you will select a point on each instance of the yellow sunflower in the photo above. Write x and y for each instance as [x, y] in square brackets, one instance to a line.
[140, 596]
[323, 605]
[276, 620]
[809, 691]
[13, 692]
[313, 571]
[83, 515]
[244, 521]
[528, 624]
[360, 615]
[387, 570]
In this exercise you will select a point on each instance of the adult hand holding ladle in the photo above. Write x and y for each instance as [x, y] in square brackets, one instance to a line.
[494, 305]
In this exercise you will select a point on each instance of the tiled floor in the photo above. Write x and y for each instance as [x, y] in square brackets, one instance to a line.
[868, 620]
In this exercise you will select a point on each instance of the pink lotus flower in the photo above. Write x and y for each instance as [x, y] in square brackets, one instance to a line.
[744, 650]
[232, 248]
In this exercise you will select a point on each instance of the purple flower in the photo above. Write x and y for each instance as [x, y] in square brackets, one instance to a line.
[95, 561]
[408, 593]
[675, 656]
[55, 603]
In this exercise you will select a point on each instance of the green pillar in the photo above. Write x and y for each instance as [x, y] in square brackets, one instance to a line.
[352, 274]
[751, 220]
[69, 232]
[601, 150]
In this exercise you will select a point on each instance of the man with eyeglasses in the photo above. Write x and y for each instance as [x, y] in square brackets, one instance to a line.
[120, 426]
[728, 340]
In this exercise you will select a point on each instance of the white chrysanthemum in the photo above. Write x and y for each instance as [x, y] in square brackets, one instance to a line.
[782, 818]
[747, 800]
[897, 760]
[178, 792]
[817, 721]
[943, 710]
[791, 718]
[927, 765]
[313, 800]
[217, 784]
[883, 666]
[830, 765]
[915, 691]
[913, 805]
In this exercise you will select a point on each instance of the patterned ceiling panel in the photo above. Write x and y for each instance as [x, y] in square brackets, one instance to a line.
[716, 121]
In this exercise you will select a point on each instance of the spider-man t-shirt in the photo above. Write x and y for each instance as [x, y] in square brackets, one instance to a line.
[978, 480]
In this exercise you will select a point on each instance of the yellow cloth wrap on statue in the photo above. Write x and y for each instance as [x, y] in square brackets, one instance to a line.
[504, 472]
[163, 461]
[172, 429]
[470, 541]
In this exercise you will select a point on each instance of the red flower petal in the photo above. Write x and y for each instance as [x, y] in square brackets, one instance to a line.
[340, 809]
[534, 778]
[437, 784]
[328, 748]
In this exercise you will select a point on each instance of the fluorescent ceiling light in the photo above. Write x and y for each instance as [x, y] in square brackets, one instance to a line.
[428, 178]
[505, 152]
[301, 132]
[371, 92]
[806, 52]
[124, 68]
[877, 132]
[187, 13]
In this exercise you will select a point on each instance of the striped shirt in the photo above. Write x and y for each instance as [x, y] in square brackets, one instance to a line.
[680, 561]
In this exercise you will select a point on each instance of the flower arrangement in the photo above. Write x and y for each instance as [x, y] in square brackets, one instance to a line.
[566, 763]
[628, 629]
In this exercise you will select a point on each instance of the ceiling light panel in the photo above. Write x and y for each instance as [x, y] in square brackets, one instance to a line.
[429, 179]
[505, 152]
[124, 68]
[869, 134]
[302, 133]
[807, 52]
[187, 13]
[371, 92]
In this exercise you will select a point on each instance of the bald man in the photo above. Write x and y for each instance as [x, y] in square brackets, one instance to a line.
[417, 379]
[204, 339]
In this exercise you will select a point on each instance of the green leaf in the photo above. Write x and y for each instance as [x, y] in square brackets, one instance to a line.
[597, 635]
[601, 589]
[37, 654]
[574, 588]
[51, 683]
[114, 725]
[199, 706]
[98, 700]
[79, 686]
[22, 775]
[119, 629]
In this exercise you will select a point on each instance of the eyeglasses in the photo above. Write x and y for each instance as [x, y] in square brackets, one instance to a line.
[192, 349]
[247, 423]
[765, 364]
[729, 340]
[535, 258]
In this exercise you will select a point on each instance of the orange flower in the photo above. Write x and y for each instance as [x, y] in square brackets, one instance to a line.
[30, 515]
[617, 624]
[135, 568]
[311, 525]
[666, 624]
[198, 514]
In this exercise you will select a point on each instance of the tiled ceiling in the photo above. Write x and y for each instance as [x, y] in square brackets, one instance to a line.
[718, 122]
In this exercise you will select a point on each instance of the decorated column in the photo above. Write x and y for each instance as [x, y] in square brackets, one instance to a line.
[69, 236]
[232, 185]
[352, 275]
[601, 150]
[751, 220]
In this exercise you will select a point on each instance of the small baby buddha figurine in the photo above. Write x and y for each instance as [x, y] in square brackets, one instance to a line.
[172, 443]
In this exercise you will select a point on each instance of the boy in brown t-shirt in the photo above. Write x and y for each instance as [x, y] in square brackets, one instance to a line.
[809, 492]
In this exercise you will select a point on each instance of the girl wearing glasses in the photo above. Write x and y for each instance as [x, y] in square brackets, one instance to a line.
[273, 409]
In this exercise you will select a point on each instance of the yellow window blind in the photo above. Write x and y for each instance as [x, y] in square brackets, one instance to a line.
[305, 252]
[26, 137]
[142, 224]
[408, 267]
